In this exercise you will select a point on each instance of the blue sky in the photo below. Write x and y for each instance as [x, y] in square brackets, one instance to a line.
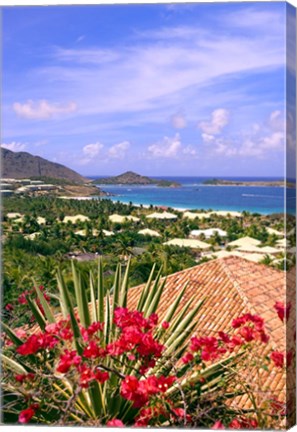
[179, 89]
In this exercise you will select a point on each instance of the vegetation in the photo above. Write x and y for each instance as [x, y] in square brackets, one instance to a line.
[89, 360]
[32, 249]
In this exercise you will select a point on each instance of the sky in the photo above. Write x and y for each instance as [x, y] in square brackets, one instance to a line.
[184, 89]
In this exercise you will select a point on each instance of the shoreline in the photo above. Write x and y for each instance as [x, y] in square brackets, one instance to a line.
[176, 208]
[193, 209]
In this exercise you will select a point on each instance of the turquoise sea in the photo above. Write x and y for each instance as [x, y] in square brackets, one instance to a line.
[193, 194]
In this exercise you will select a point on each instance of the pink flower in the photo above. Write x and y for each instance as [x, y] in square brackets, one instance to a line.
[187, 358]
[26, 415]
[218, 425]
[282, 310]
[115, 423]
[31, 346]
[235, 424]
[165, 325]
[9, 307]
[24, 377]
[68, 359]
[277, 358]
[101, 377]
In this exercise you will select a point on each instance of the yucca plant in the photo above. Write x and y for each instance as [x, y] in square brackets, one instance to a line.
[79, 365]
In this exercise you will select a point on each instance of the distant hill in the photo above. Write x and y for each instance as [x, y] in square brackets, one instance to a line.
[24, 165]
[130, 177]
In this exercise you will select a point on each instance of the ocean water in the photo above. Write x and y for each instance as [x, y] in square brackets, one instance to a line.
[193, 194]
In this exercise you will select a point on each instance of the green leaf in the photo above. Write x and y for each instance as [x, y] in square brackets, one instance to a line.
[93, 299]
[69, 310]
[100, 291]
[125, 286]
[11, 334]
[47, 310]
[37, 313]
[80, 297]
[13, 365]
[145, 290]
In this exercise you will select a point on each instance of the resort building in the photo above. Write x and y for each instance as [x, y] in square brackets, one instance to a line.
[272, 231]
[189, 243]
[245, 242]
[192, 216]
[107, 233]
[149, 232]
[14, 215]
[208, 233]
[164, 215]
[115, 218]
[253, 257]
[84, 232]
[281, 244]
[75, 219]
[32, 236]
[227, 213]
[259, 250]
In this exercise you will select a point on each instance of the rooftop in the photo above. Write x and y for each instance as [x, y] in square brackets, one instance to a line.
[209, 232]
[115, 218]
[76, 218]
[149, 232]
[245, 241]
[231, 287]
[191, 243]
[164, 215]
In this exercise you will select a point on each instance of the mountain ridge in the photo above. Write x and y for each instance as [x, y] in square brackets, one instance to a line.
[25, 165]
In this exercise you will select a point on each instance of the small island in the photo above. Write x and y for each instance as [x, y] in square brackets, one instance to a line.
[131, 178]
[263, 183]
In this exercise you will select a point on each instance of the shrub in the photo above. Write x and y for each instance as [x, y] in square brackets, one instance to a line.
[99, 363]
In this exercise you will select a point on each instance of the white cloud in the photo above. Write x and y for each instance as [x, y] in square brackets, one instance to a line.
[273, 141]
[207, 138]
[112, 80]
[42, 109]
[277, 121]
[14, 146]
[263, 139]
[178, 121]
[88, 55]
[219, 119]
[92, 150]
[168, 148]
[118, 151]
[189, 150]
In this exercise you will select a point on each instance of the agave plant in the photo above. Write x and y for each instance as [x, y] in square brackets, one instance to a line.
[59, 397]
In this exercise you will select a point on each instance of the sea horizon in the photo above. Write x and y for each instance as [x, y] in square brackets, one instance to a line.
[194, 195]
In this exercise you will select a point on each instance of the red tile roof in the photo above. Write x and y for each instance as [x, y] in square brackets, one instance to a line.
[231, 287]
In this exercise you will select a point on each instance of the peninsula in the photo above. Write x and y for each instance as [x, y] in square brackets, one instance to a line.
[131, 178]
[264, 183]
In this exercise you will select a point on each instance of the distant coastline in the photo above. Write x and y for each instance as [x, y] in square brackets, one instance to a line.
[259, 183]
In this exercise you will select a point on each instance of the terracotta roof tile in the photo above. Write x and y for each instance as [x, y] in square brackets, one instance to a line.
[231, 287]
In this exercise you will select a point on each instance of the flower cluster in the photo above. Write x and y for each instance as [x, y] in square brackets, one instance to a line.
[136, 338]
[237, 423]
[249, 328]
[139, 391]
[133, 351]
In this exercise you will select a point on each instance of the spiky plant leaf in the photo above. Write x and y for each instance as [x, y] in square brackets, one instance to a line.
[47, 310]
